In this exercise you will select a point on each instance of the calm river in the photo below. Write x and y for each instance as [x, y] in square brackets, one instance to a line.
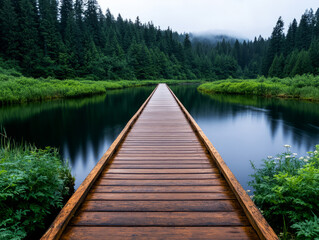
[242, 129]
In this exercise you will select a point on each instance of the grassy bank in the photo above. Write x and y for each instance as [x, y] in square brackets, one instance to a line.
[35, 184]
[15, 88]
[300, 87]
[287, 192]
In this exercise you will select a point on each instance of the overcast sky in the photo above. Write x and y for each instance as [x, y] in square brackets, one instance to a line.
[242, 18]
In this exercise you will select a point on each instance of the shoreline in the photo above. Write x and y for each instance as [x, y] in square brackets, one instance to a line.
[21, 90]
[301, 88]
[284, 97]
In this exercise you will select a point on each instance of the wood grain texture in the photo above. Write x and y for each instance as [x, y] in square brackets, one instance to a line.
[162, 182]
[159, 189]
[155, 233]
[160, 176]
[258, 222]
[161, 206]
[175, 219]
[159, 196]
[63, 218]
[167, 171]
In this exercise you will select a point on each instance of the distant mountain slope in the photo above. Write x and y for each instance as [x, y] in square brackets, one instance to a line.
[214, 38]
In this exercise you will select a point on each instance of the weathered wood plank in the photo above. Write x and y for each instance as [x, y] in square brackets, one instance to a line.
[163, 151]
[255, 217]
[161, 206]
[61, 221]
[171, 171]
[164, 182]
[160, 196]
[161, 182]
[176, 219]
[156, 233]
[159, 158]
[160, 176]
[166, 189]
[160, 166]
[161, 162]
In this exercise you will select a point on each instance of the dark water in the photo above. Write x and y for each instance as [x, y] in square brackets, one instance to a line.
[245, 129]
[241, 128]
[82, 129]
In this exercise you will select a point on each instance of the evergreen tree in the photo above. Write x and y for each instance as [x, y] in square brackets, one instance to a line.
[188, 52]
[244, 55]
[290, 42]
[187, 42]
[140, 60]
[237, 53]
[277, 67]
[303, 64]
[276, 45]
[78, 9]
[8, 30]
[304, 31]
[316, 24]
[91, 57]
[92, 23]
[77, 39]
[29, 49]
[290, 63]
[225, 66]
[79, 32]
[109, 18]
[67, 15]
[51, 38]
[314, 55]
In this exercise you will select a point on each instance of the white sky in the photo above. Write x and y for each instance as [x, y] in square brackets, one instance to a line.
[242, 18]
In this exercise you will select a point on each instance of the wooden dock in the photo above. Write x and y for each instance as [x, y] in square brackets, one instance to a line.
[160, 179]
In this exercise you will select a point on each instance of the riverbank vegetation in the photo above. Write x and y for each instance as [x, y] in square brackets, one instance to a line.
[300, 87]
[35, 184]
[15, 88]
[66, 39]
[287, 192]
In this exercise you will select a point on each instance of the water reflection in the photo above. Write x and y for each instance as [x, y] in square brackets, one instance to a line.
[251, 128]
[241, 128]
[82, 129]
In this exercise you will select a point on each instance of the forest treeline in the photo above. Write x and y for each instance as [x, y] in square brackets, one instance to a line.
[68, 39]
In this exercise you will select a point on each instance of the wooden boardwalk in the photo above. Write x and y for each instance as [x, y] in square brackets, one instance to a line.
[161, 179]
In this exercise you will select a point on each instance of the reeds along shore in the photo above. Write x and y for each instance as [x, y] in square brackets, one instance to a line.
[304, 87]
[15, 88]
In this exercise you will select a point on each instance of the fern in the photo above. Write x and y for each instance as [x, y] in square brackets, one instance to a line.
[287, 187]
[33, 184]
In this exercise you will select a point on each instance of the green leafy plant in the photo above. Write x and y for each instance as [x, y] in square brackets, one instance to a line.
[308, 229]
[287, 189]
[34, 184]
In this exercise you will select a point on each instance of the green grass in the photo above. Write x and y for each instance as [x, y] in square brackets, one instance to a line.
[300, 87]
[34, 186]
[15, 88]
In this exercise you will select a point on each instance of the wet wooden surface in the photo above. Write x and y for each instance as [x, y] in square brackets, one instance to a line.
[161, 184]
[160, 179]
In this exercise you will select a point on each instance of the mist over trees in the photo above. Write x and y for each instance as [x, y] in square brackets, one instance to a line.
[67, 39]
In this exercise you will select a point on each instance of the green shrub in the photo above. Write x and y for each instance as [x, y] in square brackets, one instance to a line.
[308, 229]
[287, 191]
[302, 87]
[18, 89]
[34, 184]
